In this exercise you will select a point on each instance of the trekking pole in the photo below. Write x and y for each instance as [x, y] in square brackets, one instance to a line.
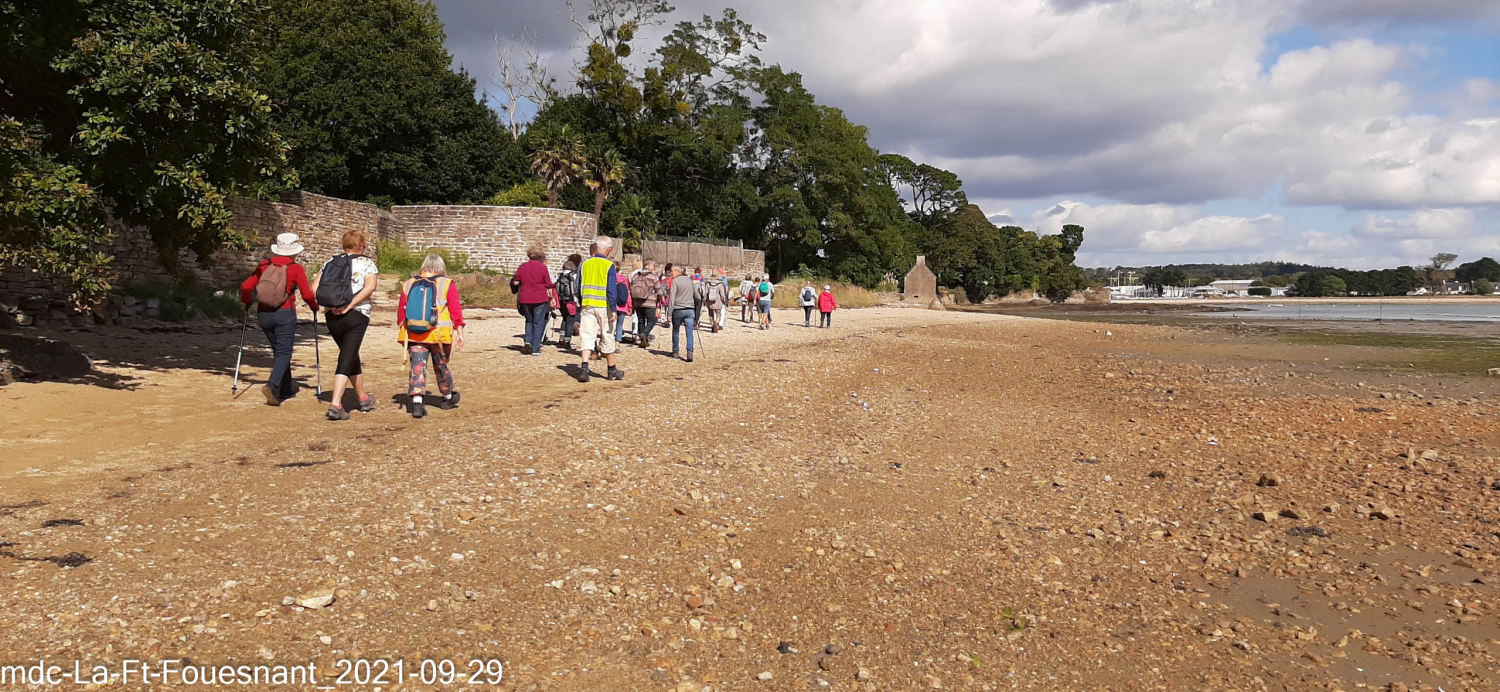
[317, 355]
[234, 389]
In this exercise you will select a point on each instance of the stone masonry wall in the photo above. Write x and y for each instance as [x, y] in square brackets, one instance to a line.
[493, 237]
[497, 237]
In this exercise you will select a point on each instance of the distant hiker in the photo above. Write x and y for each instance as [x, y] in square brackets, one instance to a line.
[624, 310]
[684, 302]
[826, 306]
[747, 285]
[645, 287]
[763, 294]
[698, 309]
[567, 299]
[343, 288]
[271, 287]
[598, 280]
[714, 295]
[809, 300]
[664, 286]
[533, 285]
[430, 321]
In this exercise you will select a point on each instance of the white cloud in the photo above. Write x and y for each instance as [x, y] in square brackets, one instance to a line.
[1162, 105]
[1425, 223]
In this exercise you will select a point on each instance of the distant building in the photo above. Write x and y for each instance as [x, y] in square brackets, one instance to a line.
[920, 285]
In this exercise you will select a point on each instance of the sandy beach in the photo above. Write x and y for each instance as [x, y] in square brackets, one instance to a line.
[910, 500]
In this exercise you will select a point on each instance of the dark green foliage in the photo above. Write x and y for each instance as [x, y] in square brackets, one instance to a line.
[1483, 287]
[1161, 277]
[1482, 268]
[50, 220]
[1262, 291]
[1321, 285]
[970, 251]
[364, 93]
[153, 106]
[185, 300]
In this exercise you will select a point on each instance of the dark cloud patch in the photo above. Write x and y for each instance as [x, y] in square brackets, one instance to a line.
[1334, 12]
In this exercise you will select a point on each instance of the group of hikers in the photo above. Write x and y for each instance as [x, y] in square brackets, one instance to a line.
[593, 298]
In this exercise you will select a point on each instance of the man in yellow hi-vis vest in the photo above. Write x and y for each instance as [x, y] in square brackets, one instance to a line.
[597, 283]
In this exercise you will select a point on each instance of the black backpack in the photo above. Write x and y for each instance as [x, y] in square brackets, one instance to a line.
[565, 287]
[336, 287]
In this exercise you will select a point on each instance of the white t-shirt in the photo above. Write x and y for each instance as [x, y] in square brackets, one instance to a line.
[361, 269]
[364, 268]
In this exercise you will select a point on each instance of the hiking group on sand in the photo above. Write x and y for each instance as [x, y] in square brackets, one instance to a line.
[595, 302]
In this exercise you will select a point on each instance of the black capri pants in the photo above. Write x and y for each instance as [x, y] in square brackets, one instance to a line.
[348, 331]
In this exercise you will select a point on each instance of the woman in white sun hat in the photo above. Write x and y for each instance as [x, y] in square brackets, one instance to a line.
[273, 287]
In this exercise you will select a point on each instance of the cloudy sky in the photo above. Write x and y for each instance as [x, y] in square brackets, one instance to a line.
[1360, 133]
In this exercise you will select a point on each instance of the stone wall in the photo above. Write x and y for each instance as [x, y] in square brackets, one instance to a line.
[497, 237]
[493, 237]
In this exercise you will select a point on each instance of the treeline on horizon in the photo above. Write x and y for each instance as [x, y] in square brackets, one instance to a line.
[1316, 281]
[161, 112]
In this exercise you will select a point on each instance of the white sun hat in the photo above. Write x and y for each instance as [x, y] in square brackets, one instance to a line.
[287, 245]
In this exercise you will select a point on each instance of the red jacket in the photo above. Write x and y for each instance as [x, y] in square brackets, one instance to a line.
[826, 303]
[296, 280]
[535, 283]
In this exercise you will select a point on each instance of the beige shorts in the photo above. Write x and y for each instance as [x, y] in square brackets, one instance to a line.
[593, 325]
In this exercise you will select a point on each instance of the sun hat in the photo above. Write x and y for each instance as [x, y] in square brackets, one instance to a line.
[826, 287]
[287, 245]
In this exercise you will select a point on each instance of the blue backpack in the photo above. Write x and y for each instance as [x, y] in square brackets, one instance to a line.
[421, 306]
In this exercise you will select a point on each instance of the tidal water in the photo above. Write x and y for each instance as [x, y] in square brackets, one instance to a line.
[1402, 311]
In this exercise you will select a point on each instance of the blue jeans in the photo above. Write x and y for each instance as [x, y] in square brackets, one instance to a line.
[536, 324]
[281, 330]
[619, 324]
[568, 323]
[683, 317]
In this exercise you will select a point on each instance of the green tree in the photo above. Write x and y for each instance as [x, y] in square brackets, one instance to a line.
[603, 172]
[1483, 287]
[366, 96]
[149, 106]
[634, 221]
[557, 161]
[1482, 268]
[821, 199]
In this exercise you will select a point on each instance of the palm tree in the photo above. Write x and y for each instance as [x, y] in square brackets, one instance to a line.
[634, 221]
[604, 172]
[557, 161]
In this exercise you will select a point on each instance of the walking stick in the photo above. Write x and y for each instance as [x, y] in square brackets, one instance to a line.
[234, 389]
[317, 355]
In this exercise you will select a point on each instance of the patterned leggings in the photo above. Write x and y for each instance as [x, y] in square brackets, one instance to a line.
[420, 355]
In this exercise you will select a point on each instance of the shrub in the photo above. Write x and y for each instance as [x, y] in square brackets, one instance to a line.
[1483, 287]
[1262, 291]
[847, 295]
[393, 257]
[185, 301]
[531, 193]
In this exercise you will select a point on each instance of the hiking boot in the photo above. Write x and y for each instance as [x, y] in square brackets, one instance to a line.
[418, 409]
[676, 355]
[273, 395]
[615, 373]
[583, 373]
[525, 349]
[337, 413]
[448, 403]
[367, 404]
[690, 357]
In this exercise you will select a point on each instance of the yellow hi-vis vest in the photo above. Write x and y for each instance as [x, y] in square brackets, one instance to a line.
[443, 333]
[593, 280]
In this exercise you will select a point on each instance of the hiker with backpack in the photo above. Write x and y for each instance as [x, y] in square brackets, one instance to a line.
[598, 281]
[644, 289]
[809, 300]
[763, 294]
[567, 299]
[826, 306]
[684, 301]
[273, 287]
[343, 288]
[430, 326]
[714, 295]
[624, 310]
[534, 289]
[746, 285]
